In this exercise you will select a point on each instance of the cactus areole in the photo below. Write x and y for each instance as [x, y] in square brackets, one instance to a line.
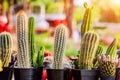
[59, 46]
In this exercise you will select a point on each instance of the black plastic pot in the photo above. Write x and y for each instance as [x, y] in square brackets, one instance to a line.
[39, 73]
[58, 74]
[6, 74]
[25, 74]
[107, 78]
[85, 74]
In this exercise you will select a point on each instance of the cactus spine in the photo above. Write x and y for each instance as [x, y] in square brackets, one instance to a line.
[59, 46]
[37, 58]
[87, 20]
[88, 47]
[5, 48]
[22, 39]
[112, 49]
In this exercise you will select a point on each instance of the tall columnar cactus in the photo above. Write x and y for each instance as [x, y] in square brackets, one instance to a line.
[31, 38]
[59, 46]
[5, 48]
[87, 20]
[98, 52]
[112, 49]
[36, 58]
[22, 41]
[88, 48]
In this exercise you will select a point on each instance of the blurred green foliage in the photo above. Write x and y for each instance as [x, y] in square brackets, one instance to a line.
[45, 40]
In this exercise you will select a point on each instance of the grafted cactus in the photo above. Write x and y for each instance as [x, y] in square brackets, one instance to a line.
[88, 48]
[24, 59]
[5, 48]
[59, 46]
[87, 20]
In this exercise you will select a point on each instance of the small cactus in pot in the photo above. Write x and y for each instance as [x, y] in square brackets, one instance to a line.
[5, 56]
[59, 48]
[107, 67]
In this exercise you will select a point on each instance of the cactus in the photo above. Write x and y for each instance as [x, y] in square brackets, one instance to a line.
[112, 49]
[107, 69]
[36, 58]
[87, 20]
[40, 56]
[24, 58]
[98, 52]
[106, 65]
[88, 47]
[59, 46]
[5, 48]
[31, 39]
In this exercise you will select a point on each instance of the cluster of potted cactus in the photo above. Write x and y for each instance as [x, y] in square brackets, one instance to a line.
[92, 64]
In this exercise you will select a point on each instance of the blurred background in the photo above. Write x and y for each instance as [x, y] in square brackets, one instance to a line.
[49, 13]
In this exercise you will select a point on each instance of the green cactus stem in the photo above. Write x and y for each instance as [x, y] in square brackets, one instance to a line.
[112, 49]
[24, 58]
[87, 20]
[88, 48]
[98, 52]
[59, 46]
[31, 39]
[5, 48]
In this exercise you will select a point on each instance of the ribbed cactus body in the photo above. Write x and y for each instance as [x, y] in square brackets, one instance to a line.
[88, 47]
[22, 41]
[87, 20]
[5, 48]
[107, 68]
[59, 46]
[40, 56]
[31, 39]
[112, 49]
[98, 52]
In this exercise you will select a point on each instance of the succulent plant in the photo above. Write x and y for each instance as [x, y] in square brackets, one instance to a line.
[36, 57]
[87, 20]
[24, 58]
[107, 66]
[98, 52]
[59, 46]
[5, 48]
[88, 48]
[112, 49]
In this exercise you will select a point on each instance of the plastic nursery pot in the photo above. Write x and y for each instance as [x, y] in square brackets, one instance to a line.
[6, 74]
[85, 74]
[58, 74]
[39, 73]
[25, 73]
[107, 78]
